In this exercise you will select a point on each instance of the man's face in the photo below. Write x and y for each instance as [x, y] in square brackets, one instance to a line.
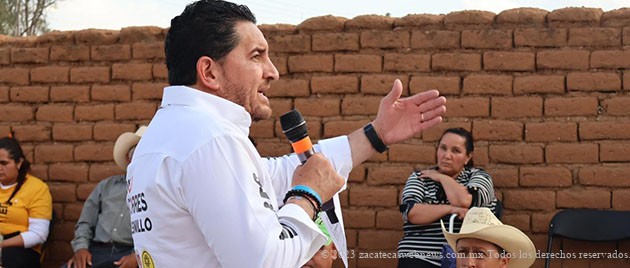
[479, 254]
[246, 72]
[323, 258]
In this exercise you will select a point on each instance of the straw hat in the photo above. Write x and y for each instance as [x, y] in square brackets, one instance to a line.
[480, 223]
[123, 144]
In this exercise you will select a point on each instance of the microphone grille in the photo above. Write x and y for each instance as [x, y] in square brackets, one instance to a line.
[293, 125]
[291, 119]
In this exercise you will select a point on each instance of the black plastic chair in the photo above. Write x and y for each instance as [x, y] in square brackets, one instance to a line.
[46, 245]
[498, 210]
[588, 225]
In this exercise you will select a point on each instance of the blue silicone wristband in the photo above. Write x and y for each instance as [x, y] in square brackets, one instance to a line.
[308, 190]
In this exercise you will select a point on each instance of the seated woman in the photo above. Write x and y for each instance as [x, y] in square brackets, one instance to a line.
[451, 187]
[25, 209]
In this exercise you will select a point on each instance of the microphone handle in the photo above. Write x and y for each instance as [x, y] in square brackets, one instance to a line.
[328, 207]
[305, 155]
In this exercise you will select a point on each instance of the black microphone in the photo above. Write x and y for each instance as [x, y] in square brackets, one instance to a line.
[294, 127]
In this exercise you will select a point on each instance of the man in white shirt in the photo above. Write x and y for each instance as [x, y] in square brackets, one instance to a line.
[199, 193]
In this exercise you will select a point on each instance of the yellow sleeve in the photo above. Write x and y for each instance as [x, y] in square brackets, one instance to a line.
[40, 206]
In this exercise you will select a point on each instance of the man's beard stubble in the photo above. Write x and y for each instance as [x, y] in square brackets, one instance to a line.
[252, 103]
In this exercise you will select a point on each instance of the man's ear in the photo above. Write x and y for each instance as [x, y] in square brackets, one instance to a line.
[208, 73]
[503, 263]
[334, 254]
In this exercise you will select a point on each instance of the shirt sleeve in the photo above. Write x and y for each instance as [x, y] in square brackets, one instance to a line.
[41, 205]
[481, 188]
[84, 229]
[39, 215]
[337, 151]
[281, 171]
[251, 232]
[414, 190]
[37, 232]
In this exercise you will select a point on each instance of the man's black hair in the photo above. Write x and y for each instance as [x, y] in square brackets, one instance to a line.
[205, 28]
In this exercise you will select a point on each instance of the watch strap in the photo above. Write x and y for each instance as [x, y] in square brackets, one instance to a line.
[375, 141]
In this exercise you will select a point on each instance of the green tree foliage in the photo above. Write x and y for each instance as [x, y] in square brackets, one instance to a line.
[24, 17]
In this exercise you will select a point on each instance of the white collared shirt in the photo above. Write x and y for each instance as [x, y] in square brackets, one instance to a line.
[200, 195]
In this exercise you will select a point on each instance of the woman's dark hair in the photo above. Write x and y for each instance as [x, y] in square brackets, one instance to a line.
[16, 154]
[470, 142]
[205, 28]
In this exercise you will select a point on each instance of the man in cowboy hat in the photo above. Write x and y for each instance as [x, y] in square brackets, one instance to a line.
[102, 236]
[485, 242]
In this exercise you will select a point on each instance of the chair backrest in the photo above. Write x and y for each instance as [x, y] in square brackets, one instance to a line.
[498, 209]
[591, 224]
[46, 244]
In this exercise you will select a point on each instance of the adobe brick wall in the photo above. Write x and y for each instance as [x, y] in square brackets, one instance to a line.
[544, 93]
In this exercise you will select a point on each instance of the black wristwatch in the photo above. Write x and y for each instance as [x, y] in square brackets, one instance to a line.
[404, 209]
[375, 141]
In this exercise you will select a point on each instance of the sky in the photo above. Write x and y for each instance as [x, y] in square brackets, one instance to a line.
[116, 14]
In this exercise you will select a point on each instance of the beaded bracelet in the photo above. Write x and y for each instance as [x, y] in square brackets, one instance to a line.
[299, 197]
[309, 190]
[305, 194]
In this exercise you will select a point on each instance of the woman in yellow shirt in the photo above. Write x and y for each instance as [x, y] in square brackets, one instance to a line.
[25, 208]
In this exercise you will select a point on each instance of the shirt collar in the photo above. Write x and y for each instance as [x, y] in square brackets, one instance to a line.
[4, 187]
[120, 178]
[219, 107]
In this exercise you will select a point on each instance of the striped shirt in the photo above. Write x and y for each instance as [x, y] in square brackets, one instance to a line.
[426, 241]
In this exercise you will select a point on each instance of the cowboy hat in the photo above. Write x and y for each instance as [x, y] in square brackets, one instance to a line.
[123, 144]
[480, 223]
